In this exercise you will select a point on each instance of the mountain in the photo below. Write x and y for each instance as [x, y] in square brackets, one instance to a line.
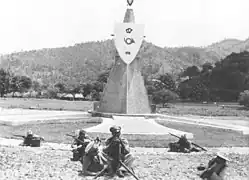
[84, 62]
[226, 47]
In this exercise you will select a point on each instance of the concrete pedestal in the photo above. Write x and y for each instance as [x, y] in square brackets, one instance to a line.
[125, 92]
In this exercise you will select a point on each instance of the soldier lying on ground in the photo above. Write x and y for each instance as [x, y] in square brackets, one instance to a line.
[182, 145]
[215, 169]
[78, 147]
[31, 139]
[118, 149]
[94, 160]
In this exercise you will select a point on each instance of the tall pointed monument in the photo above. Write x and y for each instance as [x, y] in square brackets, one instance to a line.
[125, 92]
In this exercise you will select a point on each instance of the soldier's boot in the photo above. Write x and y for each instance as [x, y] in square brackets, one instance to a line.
[193, 149]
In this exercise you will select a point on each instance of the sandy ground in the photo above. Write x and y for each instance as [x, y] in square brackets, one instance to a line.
[25, 163]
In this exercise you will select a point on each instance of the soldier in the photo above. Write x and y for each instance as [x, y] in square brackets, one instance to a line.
[183, 145]
[94, 160]
[79, 146]
[31, 139]
[215, 169]
[118, 149]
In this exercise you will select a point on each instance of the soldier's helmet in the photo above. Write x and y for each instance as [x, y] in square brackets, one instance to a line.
[115, 129]
[29, 132]
[183, 137]
[222, 157]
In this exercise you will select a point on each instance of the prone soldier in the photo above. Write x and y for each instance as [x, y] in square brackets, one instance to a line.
[182, 145]
[31, 139]
[215, 169]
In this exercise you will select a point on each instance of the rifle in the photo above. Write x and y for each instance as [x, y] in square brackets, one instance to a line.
[121, 163]
[16, 135]
[75, 138]
[191, 142]
[128, 170]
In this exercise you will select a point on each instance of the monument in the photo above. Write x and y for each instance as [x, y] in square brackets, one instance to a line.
[125, 96]
[125, 92]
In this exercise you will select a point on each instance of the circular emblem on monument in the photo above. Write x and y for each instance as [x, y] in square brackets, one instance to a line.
[130, 2]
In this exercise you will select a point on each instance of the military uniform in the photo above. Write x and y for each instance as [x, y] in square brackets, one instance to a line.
[94, 160]
[118, 148]
[216, 168]
[32, 140]
[81, 145]
[183, 145]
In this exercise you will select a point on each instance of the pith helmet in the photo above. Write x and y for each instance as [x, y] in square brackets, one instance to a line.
[29, 132]
[222, 157]
[115, 129]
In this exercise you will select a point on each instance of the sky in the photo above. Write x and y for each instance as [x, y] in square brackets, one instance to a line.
[37, 24]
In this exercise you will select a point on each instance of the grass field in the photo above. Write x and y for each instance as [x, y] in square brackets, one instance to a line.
[54, 131]
[220, 109]
[49, 104]
[229, 109]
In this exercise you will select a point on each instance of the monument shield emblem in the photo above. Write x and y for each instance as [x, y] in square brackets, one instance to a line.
[128, 40]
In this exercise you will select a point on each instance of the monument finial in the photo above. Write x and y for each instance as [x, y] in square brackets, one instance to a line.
[130, 2]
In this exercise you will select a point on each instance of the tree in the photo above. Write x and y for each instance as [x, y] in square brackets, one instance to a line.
[98, 86]
[50, 93]
[191, 72]
[60, 87]
[4, 82]
[206, 67]
[87, 89]
[95, 95]
[230, 76]
[244, 98]
[25, 84]
[185, 89]
[150, 89]
[167, 82]
[199, 92]
[102, 77]
[164, 96]
[36, 86]
[14, 85]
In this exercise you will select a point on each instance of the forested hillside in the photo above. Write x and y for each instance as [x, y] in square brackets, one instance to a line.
[83, 62]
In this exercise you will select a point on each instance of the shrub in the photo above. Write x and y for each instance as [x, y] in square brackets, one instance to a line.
[244, 98]
[164, 96]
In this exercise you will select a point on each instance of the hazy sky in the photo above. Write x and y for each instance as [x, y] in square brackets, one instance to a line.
[35, 24]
